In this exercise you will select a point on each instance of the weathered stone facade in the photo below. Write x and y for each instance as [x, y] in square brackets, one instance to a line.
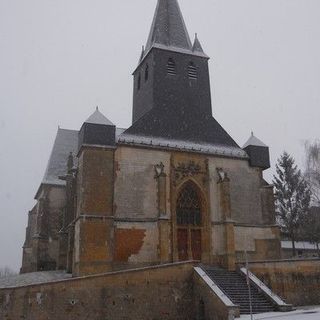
[119, 197]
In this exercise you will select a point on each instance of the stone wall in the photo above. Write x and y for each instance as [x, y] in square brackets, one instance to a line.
[260, 242]
[296, 281]
[146, 214]
[245, 184]
[208, 305]
[156, 293]
[41, 248]
[136, 188]
[93, 249]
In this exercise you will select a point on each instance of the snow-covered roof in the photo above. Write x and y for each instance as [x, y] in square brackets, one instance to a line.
[254, 141]
[66, 141]
[33, 278]
[163, 143]
[98, 118]
[299, 245]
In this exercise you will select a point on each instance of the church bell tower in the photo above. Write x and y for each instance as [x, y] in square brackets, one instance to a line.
[172, 97]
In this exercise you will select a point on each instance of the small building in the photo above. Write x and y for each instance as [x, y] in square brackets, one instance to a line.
[304, 249]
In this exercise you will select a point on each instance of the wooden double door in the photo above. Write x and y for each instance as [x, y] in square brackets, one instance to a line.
[189, 223]
[189, 244]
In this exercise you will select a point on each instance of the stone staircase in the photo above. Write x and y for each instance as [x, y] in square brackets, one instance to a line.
[235, 287]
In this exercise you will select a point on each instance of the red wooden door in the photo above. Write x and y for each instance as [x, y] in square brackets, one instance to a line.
[189, 224]
[196, 244]
[182, 244]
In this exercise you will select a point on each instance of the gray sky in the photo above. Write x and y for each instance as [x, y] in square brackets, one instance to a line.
[61, 58]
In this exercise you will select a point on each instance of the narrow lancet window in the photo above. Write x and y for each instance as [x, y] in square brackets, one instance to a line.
[171, 67]
[192, 71]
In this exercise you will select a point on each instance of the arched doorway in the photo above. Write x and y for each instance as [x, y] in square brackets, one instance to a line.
[189, 223]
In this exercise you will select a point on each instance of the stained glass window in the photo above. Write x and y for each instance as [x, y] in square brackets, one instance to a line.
[188, 207]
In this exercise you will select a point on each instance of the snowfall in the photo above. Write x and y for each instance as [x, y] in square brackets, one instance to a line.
[305, 313]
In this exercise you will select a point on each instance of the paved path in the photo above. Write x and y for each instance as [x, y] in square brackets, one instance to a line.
[307, 313]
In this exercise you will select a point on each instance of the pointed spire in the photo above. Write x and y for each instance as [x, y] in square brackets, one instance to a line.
[196, 45]
[98, 118]
[168, 27]
[254, 141]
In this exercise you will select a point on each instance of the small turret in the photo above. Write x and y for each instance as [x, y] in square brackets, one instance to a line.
[258, 153]
[197, 45]
[97, 130]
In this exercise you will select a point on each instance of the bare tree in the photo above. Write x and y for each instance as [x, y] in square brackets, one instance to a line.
[312, 150]
[6, 272]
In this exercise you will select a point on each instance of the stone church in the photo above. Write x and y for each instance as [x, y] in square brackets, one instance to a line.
[172, 187]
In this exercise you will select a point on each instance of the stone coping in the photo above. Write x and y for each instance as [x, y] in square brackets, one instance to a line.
[112, 273]
[280, 261]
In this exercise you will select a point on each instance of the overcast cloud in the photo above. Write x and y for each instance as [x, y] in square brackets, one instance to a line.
[59, 59]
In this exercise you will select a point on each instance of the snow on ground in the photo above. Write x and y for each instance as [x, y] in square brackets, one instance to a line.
[305, 313]
[33, 278]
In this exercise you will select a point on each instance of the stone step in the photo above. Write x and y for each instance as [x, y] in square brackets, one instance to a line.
[235, 286]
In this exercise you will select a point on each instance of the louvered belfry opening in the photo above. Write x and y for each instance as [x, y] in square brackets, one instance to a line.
[192, 71]
[171, 67]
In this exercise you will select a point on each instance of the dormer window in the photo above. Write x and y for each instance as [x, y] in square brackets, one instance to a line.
[139, 81]
[192, 71]
[146, 73]
[171, 67]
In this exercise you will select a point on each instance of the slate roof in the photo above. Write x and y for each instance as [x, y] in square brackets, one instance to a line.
[168, 30]
[197, 46]
[254, 141]
[98, 118]
[173, 125]
[66, 141]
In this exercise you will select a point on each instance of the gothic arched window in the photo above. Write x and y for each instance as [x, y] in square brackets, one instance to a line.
[189, 207]
[192, 71]
[146, 73]
[171, 67]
